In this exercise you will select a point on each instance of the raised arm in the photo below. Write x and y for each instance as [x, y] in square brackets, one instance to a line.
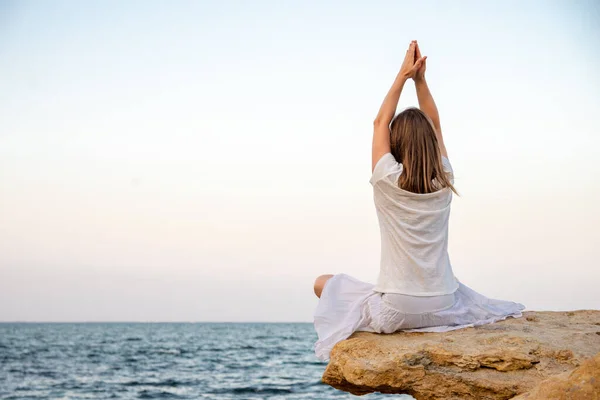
[381, 125]
[426, 103]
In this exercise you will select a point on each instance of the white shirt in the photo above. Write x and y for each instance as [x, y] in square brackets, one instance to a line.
[414, 234]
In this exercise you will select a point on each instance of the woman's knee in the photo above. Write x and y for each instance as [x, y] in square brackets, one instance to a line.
[320, 283]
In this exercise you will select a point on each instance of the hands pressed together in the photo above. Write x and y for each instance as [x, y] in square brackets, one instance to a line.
[414, 64]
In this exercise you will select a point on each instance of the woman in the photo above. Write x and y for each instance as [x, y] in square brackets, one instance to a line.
[412, 183]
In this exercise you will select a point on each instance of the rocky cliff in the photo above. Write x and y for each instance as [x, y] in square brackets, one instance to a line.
[534, 356]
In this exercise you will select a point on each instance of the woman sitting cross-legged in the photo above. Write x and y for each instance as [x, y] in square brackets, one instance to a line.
[412, 181]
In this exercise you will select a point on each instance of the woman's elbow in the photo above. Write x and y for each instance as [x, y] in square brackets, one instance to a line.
[378, 122]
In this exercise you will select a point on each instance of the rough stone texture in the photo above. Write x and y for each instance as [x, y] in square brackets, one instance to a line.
[583, 383]
[494, 361]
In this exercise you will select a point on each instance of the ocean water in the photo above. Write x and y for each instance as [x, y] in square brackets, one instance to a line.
[163, 361]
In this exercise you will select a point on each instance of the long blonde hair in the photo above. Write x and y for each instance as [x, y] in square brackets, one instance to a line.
[414, 144]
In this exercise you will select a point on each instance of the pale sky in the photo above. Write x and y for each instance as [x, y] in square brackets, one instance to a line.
[205, 161]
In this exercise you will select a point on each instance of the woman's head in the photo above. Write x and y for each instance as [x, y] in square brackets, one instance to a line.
[414, 143]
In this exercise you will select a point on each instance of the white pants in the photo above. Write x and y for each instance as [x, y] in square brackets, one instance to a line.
[418, 304]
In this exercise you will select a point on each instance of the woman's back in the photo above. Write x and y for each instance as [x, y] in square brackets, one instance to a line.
[414, 234]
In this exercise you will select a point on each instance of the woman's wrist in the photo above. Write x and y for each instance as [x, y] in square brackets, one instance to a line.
[400, 79]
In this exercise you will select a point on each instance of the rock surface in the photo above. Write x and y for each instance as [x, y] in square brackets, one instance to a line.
[495, 361]
[583, 383]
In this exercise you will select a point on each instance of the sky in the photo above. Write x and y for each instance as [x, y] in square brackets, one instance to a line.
[206, 161]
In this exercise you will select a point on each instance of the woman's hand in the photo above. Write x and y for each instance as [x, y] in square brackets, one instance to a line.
[420, 73]
[411, 63]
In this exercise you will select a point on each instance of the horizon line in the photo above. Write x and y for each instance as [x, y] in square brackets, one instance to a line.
[156, 322]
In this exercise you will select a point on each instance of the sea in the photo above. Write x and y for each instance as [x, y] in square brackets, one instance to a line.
[163, 361]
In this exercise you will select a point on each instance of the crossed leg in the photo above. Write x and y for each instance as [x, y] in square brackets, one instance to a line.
[320, 283]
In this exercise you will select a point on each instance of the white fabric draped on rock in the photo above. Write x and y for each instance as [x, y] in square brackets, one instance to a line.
[348, 305]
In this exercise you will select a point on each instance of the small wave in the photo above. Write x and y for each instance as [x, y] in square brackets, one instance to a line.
[48, 374]
[167, 382]
[254, 390]
[147, 394]
[168, 351]
[305, 362]
[280, 338]
[294, 339]
[233, 348]
[275, 350]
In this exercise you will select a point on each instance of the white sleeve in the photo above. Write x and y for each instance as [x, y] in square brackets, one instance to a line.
[386, 165]
[448, 168]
